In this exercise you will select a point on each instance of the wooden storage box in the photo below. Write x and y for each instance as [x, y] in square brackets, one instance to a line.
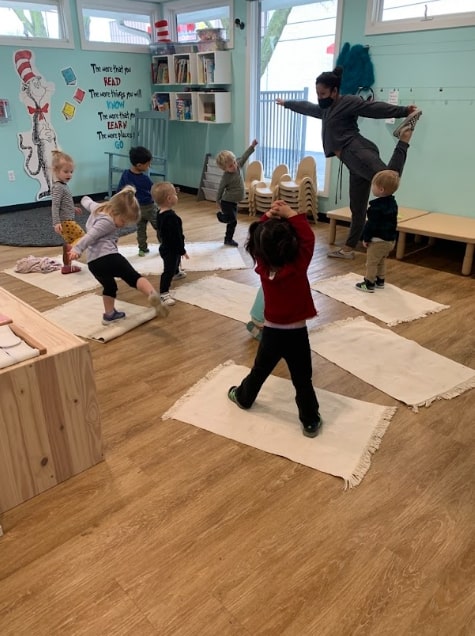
[49, 414]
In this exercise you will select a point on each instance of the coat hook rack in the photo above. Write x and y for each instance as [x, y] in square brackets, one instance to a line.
[239, 23]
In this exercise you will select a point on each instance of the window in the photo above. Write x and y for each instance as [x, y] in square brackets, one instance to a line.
[390, 16]
[187, 17]
[38, 23]
[297, 42]
[115, 26]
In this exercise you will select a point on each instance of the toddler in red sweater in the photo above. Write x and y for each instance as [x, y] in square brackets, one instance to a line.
[281, 244]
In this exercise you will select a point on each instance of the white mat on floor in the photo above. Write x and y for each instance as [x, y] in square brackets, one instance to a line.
[61, 285]
[222, 296]
[398, 366]
[204, 257]
[351, 432]
[390, 305]
[83, 316]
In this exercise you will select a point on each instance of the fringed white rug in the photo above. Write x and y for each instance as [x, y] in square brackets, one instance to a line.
[398, 366]
[204, 257]
[83, 317]
[61, 285]
[351, 432]
[390, 305]
[222, 296]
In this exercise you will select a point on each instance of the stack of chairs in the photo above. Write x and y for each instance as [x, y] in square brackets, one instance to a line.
[263, 194]
[301, 193]
[254, 172]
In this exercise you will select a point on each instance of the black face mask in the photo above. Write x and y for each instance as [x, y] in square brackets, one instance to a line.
[325, 102]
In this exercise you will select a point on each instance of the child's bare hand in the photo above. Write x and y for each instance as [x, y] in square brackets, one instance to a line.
[254, 143]
[280, 208]
[185, 255]
[280, 101]
[58, 228]
[78, 210]
[365, 244]
[73, 256]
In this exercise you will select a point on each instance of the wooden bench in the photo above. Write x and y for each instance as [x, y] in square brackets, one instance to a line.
[344, 214]
[444, 226]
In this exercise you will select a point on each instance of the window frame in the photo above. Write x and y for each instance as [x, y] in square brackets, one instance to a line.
[375, 25]
[171, 9]
[64, 16]
[140, 8]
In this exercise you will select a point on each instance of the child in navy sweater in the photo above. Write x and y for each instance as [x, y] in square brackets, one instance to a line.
[138, 176]
[379, 233]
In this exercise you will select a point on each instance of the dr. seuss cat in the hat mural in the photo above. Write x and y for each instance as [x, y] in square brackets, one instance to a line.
[36, 144]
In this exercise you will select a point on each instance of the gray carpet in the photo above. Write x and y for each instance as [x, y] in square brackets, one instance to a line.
[33, 228]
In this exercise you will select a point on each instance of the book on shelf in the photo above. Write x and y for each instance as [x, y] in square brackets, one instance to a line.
[161, 101]
[184, 111]
[182, 71]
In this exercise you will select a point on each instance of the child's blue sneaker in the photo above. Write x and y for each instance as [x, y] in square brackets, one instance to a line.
[107, 319]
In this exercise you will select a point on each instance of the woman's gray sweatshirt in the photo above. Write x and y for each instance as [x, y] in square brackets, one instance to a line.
[340, 121]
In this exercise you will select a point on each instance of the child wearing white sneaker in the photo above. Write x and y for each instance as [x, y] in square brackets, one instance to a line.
[379, 233]
[172, 246]
[103, 258]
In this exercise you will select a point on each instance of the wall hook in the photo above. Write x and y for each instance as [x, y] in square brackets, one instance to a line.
[239, 23]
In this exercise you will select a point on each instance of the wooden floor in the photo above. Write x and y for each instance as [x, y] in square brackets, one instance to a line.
[181, 532]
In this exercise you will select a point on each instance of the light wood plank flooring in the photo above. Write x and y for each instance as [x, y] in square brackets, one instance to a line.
[181, 532]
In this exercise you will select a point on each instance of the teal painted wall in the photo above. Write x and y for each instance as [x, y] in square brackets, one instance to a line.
[86, 135]
[433, 69]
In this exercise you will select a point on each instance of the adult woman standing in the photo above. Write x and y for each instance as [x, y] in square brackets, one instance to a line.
[341, 138]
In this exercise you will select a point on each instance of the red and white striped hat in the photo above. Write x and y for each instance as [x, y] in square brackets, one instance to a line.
[23, 65]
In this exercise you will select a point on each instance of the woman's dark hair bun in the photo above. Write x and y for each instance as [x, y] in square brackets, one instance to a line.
[338, 70]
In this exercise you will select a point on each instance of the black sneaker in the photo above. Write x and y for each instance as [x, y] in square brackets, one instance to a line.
[366, 286]
[231, 243]
[233, 398]
[312, 429]
[379, 283]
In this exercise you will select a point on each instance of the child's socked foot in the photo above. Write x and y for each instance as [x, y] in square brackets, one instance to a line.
[180, 274]
[312, 429]
[366, 286]
[114, 316]
[154, 300]
[86, 203]
[70, 269]
[167, 299]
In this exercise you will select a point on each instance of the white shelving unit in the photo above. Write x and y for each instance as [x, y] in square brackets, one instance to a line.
[210, 179]
[214, 108]
[196, 72]
[183, 106]
[213, 67]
